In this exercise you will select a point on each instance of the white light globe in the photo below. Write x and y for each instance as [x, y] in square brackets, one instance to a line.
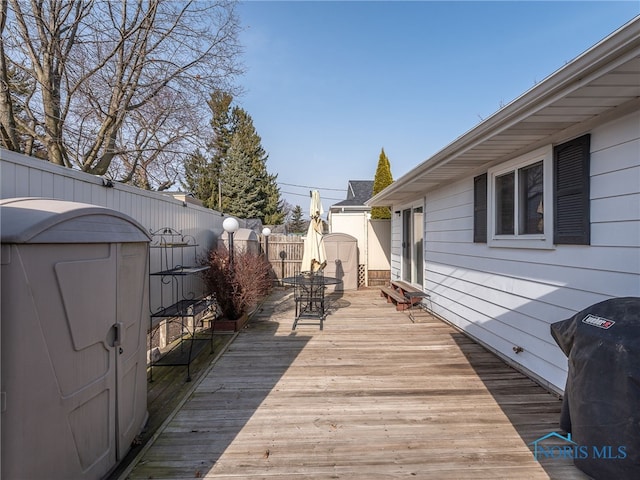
[266, 231]
[230, 225]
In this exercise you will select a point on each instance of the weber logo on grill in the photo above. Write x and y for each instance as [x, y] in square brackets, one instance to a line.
[599, 322]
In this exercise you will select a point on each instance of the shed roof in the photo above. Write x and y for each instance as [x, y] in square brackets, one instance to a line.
[42, 220]
[242, 235]
[339, 238]
[596, 87]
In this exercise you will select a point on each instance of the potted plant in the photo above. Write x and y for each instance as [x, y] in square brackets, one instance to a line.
[237, 288]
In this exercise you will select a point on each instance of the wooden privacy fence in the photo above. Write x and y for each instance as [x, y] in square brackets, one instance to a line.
[284, 254]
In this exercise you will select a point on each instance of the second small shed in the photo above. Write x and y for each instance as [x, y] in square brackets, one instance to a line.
[342, 259]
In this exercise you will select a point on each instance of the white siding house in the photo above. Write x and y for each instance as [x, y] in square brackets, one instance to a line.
[534, 214]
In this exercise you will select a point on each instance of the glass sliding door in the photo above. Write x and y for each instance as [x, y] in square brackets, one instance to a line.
[406, 245]
[412, 245]
[417, 266]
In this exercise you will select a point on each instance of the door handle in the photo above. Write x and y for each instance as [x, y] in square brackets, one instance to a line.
[118, 328]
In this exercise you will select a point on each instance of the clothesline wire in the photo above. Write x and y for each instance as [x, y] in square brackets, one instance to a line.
[307, 196]
[312, 187]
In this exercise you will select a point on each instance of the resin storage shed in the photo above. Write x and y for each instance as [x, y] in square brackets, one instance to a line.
[342, 259]
[244, 240]
[73, 338]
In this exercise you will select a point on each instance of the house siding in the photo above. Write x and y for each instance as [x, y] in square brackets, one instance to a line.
[507, 297]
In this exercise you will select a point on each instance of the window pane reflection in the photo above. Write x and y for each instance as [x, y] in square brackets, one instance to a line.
[505, 185]
[531, 199]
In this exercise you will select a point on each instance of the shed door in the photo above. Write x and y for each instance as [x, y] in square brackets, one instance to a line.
[86, 370]
[92, 304]
[132, 312]
[106, 302]
[342, 260]
[66, 352]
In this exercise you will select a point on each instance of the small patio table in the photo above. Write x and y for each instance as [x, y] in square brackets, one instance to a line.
[309, 296]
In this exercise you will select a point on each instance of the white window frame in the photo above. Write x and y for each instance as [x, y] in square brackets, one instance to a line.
[538, 241]
[414, 270]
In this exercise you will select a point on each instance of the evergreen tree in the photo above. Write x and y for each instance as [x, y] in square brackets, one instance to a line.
[274, 209]
[236, 170]
[297, 224]
[240, 197]
[202, 171]
[200, 179]
[382, 180]
[222, 125]
[267, 192]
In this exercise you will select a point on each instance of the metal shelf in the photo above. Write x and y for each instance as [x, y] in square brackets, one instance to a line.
[180, 271]
[183, 308]
[186, 307]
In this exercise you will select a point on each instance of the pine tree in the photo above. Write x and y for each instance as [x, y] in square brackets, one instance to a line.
[222, 125]
[274, 209]
[267, 192]
[235, 143]
[220, 104]
[202, 171]
[382, 180]
[297, 224]
[240, 197]
[200, 179]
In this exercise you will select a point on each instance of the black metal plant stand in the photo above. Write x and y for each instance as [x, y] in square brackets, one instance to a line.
[178, 300]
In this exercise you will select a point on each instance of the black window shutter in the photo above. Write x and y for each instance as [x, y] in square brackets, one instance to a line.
[571, 212]
[480, 209]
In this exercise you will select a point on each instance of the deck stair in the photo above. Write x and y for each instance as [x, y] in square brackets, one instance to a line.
[396, 292]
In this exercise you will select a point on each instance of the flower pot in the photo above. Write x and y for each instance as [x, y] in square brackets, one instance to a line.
[223, 324]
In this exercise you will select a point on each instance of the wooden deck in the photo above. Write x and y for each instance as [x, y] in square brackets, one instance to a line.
[372, 396]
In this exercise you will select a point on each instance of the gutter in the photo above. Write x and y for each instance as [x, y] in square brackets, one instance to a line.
[342, 208]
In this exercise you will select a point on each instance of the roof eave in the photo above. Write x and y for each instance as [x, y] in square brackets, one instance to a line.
[616, 49]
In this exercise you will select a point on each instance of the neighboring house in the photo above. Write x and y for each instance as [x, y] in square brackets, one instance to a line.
[353, 217]
[534, 214]
[358, 192]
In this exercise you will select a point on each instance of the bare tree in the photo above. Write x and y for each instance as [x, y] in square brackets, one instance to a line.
[8, 133]
[115, 87]
[157, 142]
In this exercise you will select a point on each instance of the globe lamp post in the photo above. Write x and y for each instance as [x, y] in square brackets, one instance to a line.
[231, 226]
[266, 231]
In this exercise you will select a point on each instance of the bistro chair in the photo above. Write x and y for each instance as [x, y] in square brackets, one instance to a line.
[309, 297]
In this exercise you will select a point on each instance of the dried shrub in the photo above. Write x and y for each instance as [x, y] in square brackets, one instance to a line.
[238, 289]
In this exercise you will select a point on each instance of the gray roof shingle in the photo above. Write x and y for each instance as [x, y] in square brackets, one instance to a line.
[358, 192]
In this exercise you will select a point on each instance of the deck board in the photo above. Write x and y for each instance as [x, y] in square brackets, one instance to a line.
[371, 396]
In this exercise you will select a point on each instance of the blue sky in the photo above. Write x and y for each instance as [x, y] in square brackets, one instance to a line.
[328, 84]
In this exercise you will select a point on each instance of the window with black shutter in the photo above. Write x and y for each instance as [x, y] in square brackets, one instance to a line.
[572, 223]
[480, 209]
